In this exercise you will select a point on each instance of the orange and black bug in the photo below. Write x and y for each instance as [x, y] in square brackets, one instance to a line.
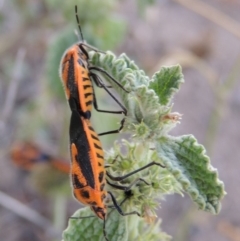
[26, 155]
[77, 75]
[88, 172]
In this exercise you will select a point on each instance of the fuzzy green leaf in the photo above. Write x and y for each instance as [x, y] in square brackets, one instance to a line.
[142, 103]
[91, 228]
[145, 231]
[166, 82]
[187, 161]
[118, 228]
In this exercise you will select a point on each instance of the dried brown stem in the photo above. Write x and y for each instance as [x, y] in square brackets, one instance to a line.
[213, 15]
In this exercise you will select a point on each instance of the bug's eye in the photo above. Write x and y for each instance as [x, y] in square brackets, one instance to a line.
[82, 55]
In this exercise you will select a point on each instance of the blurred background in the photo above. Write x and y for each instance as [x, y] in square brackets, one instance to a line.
[202, 36]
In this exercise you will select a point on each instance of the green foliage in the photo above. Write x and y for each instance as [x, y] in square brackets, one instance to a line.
[149, 119]
[118, 228]
[143, 103]
[91, 228]
[166, 82]
[187, 161]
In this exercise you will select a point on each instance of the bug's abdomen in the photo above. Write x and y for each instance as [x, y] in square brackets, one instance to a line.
[88, 173]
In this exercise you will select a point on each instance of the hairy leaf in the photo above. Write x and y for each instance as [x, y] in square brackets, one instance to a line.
[91, 228]
[187, 161]
[166, 82]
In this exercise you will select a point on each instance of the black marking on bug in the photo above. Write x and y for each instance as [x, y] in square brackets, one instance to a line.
[85, 194]
[102, 187]
[100, 176]
[88, 103]
[87, 86]
[79, 138]
[85, 78]
[99, 156]
[76, 183]
[90, 128]
[97, 146]
[94, 137]
[87, 94]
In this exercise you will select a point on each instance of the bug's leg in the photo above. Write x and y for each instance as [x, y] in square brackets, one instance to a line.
[117, 206]
[108, 165]
[104, 230]
[99, 82]
[109, 76]
[92, 48]
[123, 111]
[114, 131]
[127, 188]
[120, 178]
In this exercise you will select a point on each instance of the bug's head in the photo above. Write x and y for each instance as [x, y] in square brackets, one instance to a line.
[82, 52]
[82, 55]
[100, 211]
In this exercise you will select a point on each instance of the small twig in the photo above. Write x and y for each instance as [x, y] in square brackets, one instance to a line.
[233, 77]
[12, 90]
[212, 14]
[221, 95]
[29, 214]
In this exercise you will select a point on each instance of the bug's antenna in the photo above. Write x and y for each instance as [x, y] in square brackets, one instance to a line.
[78, 22]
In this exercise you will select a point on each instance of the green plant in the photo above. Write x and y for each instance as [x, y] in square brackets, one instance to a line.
[149, 119]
